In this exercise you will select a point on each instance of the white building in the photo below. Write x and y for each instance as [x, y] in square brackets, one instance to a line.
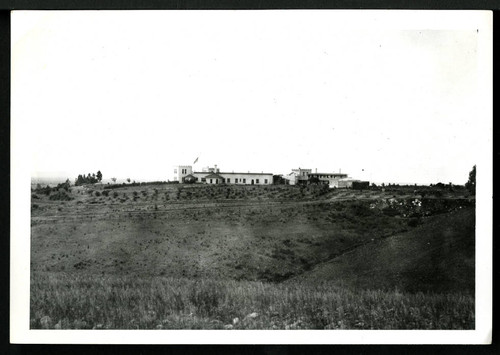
[347, 183]
[181, 171]
[215, 176]
[332, 179]
[299, 175]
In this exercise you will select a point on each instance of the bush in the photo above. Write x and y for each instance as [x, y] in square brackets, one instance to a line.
[360, 210]
[60, 196]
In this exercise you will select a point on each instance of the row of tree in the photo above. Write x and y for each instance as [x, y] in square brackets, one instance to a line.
[88, 179]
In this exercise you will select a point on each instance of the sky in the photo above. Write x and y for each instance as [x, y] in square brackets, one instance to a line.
[387, 97]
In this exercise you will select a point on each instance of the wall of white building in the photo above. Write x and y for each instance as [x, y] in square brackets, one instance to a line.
[247, 178]
[181, 171]
[238, 178]
[331, 179]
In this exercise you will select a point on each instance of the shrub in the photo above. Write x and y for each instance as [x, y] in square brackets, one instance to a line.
[60, 196]
[360, 210]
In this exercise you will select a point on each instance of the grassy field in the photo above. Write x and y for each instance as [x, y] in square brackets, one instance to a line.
[188, 256]
[65, 301]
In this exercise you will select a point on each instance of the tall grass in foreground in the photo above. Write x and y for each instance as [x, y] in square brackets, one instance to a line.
[64, 301]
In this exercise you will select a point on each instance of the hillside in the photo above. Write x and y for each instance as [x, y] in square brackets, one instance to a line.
[437, 256]
[165, 256]
[267, 233]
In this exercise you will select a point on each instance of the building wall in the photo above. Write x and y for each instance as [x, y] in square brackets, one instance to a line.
[291, 178]
[297, 175]
[345, 183]
[200, 175]
[331, 179]
[301, 174]
[237, 178]
[213, 181]
[247, 178]
[181, 171]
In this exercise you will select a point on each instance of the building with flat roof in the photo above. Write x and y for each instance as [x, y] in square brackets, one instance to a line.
[332, 179]
[181, 171]
[215, 176]
[297, 176]
[303, 176]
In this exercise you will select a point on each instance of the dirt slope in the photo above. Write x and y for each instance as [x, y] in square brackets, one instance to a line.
[267, 233]
[436, 256]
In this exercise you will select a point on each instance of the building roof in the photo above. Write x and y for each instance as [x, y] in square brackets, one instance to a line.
[213, 176]
[232, 173]
[334, 174]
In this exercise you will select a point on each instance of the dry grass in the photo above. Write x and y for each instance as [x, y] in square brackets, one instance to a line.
[87, 302]
[144, 257]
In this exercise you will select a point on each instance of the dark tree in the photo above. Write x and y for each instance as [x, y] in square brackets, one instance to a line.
[313, 180]
[279, 180]
[471, 183]
[89, 179]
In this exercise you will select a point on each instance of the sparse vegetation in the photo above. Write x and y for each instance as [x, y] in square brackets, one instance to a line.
[89, 302]
[60, 196]
[198, 256]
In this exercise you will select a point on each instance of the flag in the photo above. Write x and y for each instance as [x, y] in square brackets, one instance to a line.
[195, 160]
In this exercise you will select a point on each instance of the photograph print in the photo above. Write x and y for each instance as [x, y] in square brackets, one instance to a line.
[251, 170]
